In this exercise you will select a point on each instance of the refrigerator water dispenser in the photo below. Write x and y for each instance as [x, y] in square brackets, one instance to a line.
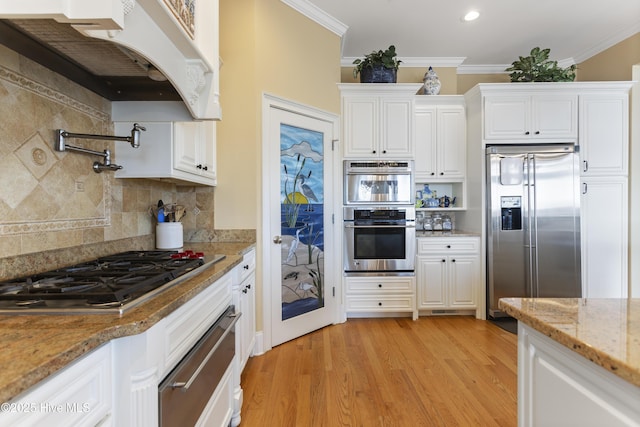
[511, 212]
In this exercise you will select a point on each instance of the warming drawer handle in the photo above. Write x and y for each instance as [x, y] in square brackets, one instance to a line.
[185, 385]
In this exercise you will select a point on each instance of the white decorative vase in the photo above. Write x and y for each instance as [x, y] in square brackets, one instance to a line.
[431, 83]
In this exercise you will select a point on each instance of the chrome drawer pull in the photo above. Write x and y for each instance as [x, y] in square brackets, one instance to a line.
[185, 385]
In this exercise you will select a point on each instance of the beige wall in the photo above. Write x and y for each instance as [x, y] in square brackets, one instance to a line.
[614, 64]
[267, 47]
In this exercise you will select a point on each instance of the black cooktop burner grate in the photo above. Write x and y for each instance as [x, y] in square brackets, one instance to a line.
[109, 281]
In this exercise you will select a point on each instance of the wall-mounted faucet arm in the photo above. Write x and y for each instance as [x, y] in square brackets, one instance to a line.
[97, 166]
[133, 139]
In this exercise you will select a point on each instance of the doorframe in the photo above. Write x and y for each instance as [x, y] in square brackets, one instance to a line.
[264, 236]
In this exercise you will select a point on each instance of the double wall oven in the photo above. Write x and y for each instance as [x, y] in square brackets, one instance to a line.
[379, 217]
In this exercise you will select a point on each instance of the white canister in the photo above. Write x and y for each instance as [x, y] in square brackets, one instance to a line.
[169, 235]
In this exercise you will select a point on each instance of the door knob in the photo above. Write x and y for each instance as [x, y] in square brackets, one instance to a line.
[277, 240]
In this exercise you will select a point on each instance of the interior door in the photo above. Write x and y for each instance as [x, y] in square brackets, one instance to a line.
[302, 250]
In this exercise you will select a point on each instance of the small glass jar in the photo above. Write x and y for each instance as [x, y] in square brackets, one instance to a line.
[446, 223]
[427, 223]
[437, 222]
[419, 221]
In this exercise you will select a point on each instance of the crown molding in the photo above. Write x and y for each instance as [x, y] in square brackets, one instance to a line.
[416, 62]
[317, 15]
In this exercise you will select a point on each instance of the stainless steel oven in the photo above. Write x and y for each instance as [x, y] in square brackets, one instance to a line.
[379, 240]
[378, 182]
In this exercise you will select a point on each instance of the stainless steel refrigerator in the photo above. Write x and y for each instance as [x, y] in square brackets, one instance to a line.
[533, 228]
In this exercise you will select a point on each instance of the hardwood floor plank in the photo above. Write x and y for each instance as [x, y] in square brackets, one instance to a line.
[436, 371]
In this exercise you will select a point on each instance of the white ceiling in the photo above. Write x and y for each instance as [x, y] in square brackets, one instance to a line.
[430, 32]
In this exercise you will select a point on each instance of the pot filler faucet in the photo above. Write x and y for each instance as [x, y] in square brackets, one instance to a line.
[134, 140]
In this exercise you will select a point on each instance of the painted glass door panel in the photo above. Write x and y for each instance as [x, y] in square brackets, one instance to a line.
[302, 219]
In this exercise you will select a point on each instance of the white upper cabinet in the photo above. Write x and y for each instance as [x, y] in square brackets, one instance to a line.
[178, 151]
[378, 120]
[604, 133]
[440, 138]
[529, 116]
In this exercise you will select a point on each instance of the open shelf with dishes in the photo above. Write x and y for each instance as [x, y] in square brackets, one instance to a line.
[433, 196]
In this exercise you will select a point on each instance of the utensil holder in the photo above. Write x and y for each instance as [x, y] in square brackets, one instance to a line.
[169, 235]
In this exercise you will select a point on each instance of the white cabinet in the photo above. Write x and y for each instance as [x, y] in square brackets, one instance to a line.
[557, 387]
[448, 273]
[78, 395]
[180, 151]
[604, 237]
[531, 116]
[440, 138]
[369, 296]
[604, 133]
[244, 298]
[378, 120]
[604, 155]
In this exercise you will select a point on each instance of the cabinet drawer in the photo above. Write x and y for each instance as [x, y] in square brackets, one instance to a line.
[246, 267]
[382, 303]
[185, 326]
[379, 285]
[446, 245]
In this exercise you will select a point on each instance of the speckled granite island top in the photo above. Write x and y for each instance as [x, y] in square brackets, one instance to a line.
[605, 331]
[36, 346]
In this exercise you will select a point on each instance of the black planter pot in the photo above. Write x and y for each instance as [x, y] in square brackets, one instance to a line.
[378, 74]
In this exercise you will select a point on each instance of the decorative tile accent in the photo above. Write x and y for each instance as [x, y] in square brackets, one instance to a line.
[36, 155]
[46, 191]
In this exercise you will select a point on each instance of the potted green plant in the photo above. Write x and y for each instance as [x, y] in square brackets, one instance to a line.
[538, 68]
[378, 67]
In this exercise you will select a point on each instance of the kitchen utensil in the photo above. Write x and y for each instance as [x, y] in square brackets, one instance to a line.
[160, 211]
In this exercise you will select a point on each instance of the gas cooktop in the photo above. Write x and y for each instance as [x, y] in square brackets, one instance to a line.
[111, 284]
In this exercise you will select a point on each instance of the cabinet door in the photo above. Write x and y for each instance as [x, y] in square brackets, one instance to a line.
[506, 117]
[432, 282]
[396, 128]
[186, 146]
[604, 238]
[425, 145]
[361, 126]
[208, 150]
[604, 134]
[452, 142]
[554, 116]
[463, 273]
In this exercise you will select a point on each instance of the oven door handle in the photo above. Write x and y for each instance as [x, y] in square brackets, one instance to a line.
[186, 385]
[408, 225]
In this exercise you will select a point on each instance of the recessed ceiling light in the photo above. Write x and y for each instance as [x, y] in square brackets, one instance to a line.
[471, 16]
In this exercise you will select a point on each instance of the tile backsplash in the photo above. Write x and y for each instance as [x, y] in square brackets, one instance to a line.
[50, 199]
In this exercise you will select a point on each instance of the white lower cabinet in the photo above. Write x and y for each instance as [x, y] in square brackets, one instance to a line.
[447, 274]
[244, 298]
[557, 387]
[373, 296]
[79, 395]
[604, 237]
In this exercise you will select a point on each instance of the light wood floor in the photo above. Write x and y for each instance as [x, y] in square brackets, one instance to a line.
[436, 371]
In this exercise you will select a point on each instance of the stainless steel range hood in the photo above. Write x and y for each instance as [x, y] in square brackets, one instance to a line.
[121, 49]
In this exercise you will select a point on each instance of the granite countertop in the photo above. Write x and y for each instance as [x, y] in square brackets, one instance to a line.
[36, 346]
[605, 331]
